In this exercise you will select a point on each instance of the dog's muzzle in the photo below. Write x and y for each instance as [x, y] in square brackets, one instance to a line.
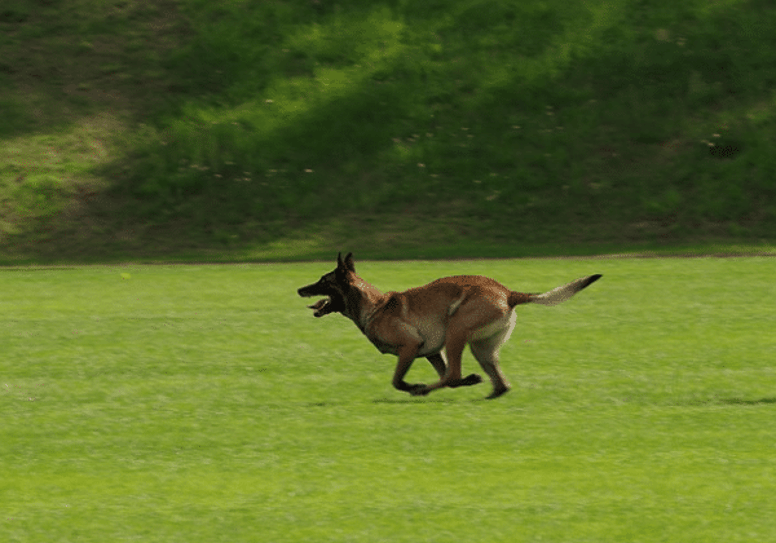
[321, 307]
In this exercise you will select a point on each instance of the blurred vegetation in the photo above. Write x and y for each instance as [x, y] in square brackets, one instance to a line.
[189, 126]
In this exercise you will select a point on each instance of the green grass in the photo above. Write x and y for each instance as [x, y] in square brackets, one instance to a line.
[205, 403]
[494, 107]
[133, 129]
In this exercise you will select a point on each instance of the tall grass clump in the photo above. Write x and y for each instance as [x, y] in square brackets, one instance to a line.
[654, 117]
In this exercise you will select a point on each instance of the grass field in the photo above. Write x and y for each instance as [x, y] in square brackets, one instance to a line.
[205, 403]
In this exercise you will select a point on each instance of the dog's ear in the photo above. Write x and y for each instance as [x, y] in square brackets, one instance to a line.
[346, 264]
[349, 264]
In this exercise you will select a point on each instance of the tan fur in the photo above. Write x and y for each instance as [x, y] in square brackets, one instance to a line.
[448, 314]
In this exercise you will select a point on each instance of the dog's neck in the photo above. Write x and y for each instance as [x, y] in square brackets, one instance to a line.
[361, 302]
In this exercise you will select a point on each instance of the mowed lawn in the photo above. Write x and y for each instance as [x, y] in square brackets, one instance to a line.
[206, 404]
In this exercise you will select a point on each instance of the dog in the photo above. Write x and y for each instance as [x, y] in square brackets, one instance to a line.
[420, 322]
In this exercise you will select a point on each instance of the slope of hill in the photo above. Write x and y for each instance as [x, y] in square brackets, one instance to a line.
[188, 127]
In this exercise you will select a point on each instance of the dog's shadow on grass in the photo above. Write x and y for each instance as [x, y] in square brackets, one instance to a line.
[743, 402]
[732, 402]
[412, 400]
[395, 401]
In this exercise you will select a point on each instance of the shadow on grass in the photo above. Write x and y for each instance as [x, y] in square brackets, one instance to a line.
[412, 400]
[745, 402]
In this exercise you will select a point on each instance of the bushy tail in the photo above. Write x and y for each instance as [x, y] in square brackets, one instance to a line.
[561, 294]
[556, 295]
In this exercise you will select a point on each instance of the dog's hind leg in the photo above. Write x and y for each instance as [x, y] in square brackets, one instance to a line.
[454, 346]
[441, 368]
[439, 364]
[486, 351]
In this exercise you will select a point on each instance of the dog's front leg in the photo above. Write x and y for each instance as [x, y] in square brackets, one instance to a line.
[407, 354]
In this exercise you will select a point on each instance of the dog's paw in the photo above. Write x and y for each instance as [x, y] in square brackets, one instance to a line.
[497, 393]
[471, 379]
[419, 390]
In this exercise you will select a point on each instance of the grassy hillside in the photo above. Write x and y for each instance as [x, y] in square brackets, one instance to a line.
[189, 127]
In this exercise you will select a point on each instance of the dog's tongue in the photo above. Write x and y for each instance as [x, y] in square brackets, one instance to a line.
[320, 307]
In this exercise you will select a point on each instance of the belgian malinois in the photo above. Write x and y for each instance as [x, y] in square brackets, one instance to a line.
[419, 322]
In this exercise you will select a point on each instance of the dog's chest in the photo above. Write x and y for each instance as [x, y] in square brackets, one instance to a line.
[382, 346]
[429, 334]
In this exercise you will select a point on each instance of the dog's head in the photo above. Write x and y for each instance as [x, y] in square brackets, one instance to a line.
[334, 285]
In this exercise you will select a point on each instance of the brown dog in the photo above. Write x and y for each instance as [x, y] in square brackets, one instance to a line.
[447, 313]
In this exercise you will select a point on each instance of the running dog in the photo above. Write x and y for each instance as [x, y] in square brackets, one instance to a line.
[447, 313]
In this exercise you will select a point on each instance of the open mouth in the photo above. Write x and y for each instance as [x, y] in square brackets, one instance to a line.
[322, 307]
